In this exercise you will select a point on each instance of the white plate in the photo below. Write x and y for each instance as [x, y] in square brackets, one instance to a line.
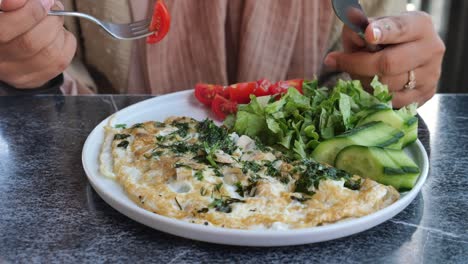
[184, 104]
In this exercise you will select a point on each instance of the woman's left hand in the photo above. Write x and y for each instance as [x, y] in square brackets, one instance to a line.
[411, 44]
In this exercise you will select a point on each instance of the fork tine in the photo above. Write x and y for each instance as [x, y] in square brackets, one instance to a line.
[139, 27]
[143, 26]
[141, 22]
[141, 31]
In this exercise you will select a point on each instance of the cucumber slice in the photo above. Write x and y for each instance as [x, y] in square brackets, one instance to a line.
[387, 116]
[380, 165]
[411, 131]
[404, 162]
[409, 125]
[376, 134]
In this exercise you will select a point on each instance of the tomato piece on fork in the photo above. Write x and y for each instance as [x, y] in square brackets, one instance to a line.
[160, 22]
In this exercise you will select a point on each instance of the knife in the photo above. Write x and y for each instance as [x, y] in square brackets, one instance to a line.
[350, 12]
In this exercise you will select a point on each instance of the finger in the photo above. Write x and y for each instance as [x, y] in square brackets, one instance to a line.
[22, 20]
[391, 61]
[55, 66]
[425, 76]
[406, 97]
[31, 43]
[408, 27]
[419, 96]
[352, 42]
[50, 62]
[10, 5]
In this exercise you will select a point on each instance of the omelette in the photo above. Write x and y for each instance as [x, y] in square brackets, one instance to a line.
[200, 173]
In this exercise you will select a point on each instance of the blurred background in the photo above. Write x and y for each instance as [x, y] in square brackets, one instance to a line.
[455, 14]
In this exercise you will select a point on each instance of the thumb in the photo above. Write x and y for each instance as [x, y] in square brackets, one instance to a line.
[12, 5]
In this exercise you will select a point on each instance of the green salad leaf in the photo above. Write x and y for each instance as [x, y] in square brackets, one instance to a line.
[297, 123]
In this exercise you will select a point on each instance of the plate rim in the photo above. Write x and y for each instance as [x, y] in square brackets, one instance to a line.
[243, 237]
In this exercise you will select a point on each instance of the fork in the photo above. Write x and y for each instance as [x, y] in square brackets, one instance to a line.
[130, 31]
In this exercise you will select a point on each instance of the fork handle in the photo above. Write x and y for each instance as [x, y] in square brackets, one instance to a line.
[74, 14]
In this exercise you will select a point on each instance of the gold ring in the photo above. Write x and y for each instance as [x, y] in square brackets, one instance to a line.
[411, 81]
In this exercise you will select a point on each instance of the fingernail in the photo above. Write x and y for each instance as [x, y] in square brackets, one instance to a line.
[330, 61]
[377, 33]
[47, 4]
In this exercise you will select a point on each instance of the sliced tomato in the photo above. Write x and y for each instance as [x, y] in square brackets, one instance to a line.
[160, 22]
[223, 107]
[282, 87]
[240, 93]
[297, 83]
[262, 88]
[205, 93]
[225, 92]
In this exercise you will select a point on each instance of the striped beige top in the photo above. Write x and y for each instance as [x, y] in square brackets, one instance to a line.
[213, 41]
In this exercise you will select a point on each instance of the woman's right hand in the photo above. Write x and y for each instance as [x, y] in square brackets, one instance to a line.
[34, 47]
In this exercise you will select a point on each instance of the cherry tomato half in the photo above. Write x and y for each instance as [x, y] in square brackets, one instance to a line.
[223, 107]
[297, 83]
[282, 87]
[240, 93]
[205, 93]
[262, 88]
[160, 23]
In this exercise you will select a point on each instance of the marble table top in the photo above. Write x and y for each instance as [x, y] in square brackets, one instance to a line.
[49, 213]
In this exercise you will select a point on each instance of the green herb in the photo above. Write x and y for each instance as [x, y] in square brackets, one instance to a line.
[272, 170]
[123, 144]
[183, 128]
[199, 175]
[212, 135]
[251, 189]
[218, 173]
[313, 172]
[139, 125]
[210, 150]
[252, 166]
[181, 147]
[353, 184]
[240, 189]
[178, 204]
[122, 126]
[260, 145]
[203, 191]
[121, 136]
[181, 165]
[224, 205]
[218, 186]
[300, 199]
[203, 210]
[285, 180]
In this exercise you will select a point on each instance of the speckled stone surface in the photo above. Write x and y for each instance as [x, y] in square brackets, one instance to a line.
[50, 214]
